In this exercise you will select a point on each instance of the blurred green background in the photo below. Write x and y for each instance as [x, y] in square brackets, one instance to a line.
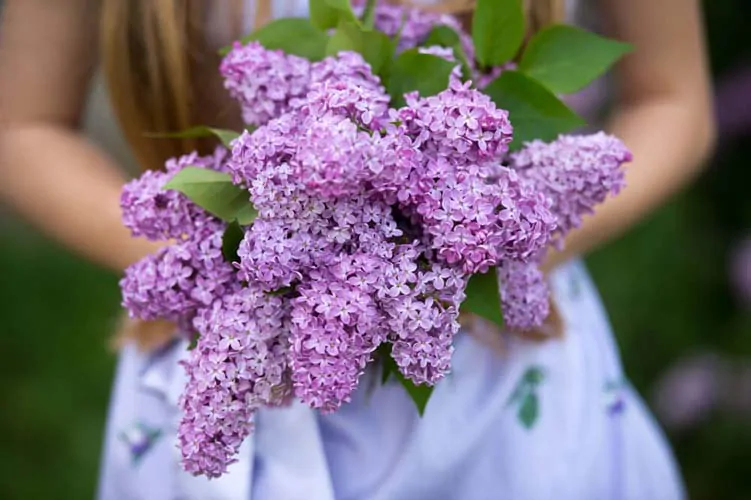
[666, 286]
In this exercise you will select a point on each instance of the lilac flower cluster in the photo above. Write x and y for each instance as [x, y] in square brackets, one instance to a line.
[183, 277]
[263, 81]
[524, 294]
[239, 364]
[476, 212]
[576, 173]
[370, 222]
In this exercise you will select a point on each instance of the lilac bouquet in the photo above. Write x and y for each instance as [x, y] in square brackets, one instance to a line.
[377, 191]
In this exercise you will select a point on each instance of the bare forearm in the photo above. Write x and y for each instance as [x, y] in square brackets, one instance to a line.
[69, 190]
[669, 141]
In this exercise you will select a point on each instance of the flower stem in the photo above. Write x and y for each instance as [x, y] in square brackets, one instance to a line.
[368, 15]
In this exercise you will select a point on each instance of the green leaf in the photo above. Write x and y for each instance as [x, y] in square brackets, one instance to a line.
[215, 192]
[375, 46]
[420, 394]
[444, 36]
[497, 31]
[565, 59]
[426, 73]
[193, 341]
[293, 35]
[327, 14]
[529, 410]
[281, 291]
[534, 111]
[231, 239]
[226, 136]
[483, 298]
[322, 15]
[533, 376]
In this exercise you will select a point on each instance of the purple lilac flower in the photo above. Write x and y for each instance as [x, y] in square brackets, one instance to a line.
[335, 327]
[334, 156]
[446, 53]
[180, 278]
[575, 172]
[269, 147]
[150, 211]
[238, 365]
[345, 86]
[459, 122]
[263, 81]
[525, 218]
[475, 212]
[364, 105]
[524, 295]
[153, 212]
[422, 310]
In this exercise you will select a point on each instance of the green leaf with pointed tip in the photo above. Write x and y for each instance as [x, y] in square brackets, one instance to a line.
[327, 14]
[483, 297]
[444, 36]
[535, 112]
[566, 59]
[420, 394]
[375, 46]
[425, 73]
[214, 192]
[226, 136]
[529, 410]
[497, 31]
[293, 35]
[231, 239]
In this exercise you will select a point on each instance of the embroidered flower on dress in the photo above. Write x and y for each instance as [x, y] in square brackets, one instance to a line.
[139, 438]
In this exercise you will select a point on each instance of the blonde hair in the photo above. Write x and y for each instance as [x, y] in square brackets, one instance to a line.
[151, 50]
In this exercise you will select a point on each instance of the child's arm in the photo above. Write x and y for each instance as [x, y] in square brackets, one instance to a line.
[48, 171]
[664, 113]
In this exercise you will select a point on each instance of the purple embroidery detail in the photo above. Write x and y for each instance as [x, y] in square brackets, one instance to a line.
[615, 402]
[139, 438]
[615, 393]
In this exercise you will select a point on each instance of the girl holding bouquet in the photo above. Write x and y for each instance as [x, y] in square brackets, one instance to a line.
[549, 414]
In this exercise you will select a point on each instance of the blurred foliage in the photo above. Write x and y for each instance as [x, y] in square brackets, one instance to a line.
[665, 285]
[56, 370]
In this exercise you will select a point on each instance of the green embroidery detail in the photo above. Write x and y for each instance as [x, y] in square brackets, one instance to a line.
[139, 438]
[613, 393]
[525, 396]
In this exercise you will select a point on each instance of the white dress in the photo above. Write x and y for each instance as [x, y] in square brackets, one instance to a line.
[552, 420]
